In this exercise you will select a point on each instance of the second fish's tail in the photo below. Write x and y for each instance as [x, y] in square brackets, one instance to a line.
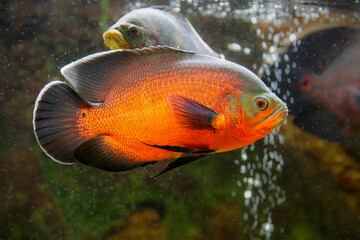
[55, 121]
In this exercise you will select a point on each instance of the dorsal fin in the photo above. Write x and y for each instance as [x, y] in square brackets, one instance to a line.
[94, 75]
[169, 10]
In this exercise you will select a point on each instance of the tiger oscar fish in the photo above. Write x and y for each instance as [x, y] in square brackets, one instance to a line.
[129, 108]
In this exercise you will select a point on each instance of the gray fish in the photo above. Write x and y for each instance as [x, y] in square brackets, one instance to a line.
[154, 26]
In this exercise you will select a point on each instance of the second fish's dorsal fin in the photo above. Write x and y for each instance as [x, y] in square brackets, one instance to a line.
[94, 75]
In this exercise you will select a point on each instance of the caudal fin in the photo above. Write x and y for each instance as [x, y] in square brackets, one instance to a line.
[55, 121]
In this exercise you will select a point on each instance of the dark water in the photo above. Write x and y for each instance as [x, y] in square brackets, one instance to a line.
[290, 185]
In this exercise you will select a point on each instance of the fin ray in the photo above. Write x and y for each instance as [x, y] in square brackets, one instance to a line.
[191, 113]
[180, 162]
[54, 121]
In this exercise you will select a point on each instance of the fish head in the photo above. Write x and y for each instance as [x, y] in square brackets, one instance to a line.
[254, 112]
[131, 31]
[125, 36]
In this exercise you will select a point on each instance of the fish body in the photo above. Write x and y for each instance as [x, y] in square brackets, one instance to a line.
[154, 26]
[338, 87]
[320, 82]
[134, 107]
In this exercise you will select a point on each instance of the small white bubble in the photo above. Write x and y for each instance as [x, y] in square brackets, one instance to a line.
[253, 20]
[258, 32]
[257, 183]
[235, 47]
[273, 49]
[247, 194]
[251, 181]
[238, 183]
[247, 51]
[274, 85]
[263, 45]
[296, 21]
[292, 37]
[244, 156]
[252, 147]
[268, 227]
[286, 57]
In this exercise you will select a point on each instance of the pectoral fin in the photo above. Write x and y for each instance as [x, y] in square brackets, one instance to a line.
[195, 115]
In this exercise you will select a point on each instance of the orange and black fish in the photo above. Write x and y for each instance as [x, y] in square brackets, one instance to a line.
[153, 26]
[129, 108]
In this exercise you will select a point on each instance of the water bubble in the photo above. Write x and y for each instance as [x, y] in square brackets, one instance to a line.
[243, 169]
[292, 37]
[235, 47]
[238, 183]
[247, 194]
[247, 51]
[244, 155]
[253, 20]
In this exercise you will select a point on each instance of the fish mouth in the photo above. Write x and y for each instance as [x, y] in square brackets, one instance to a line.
[277, 117]
[115, 40]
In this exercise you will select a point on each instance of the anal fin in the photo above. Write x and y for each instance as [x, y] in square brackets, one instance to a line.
[179, 162]
[103, 152]
[190, 156]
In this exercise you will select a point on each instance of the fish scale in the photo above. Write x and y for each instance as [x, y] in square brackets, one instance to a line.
[143, 116]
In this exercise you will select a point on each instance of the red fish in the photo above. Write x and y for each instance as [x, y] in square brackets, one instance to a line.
[129, 108]
[323, 90]
[338, 87]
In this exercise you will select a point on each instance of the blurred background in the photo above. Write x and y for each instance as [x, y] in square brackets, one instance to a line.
[300, 182]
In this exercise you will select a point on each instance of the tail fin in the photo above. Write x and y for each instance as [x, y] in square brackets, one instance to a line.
[54, 121]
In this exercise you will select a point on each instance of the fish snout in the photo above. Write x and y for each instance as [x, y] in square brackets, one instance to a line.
[115, 40]
[278, 116]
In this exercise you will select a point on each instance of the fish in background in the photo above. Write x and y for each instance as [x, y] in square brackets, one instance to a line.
[324, 83]
[129, 108]
[154, 26]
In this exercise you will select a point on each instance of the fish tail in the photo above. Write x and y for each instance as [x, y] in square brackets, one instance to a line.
[55, 121]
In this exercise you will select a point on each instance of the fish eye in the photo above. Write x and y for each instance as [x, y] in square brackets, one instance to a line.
[261, 103]
[133, 31]
[305, 83]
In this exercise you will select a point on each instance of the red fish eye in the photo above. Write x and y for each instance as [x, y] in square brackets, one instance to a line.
[261, 103]
[305, 83]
